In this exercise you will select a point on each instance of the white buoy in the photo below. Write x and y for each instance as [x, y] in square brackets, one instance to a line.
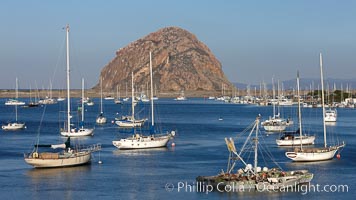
[173, 144]
[100, 162]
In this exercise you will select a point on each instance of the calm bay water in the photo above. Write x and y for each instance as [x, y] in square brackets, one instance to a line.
[144, 174]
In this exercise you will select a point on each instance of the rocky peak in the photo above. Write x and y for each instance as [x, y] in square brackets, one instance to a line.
[179, 61]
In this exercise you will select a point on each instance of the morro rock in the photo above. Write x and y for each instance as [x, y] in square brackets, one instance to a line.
[180, 63]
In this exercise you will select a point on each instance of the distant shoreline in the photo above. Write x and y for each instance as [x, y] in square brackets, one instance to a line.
[25, 93]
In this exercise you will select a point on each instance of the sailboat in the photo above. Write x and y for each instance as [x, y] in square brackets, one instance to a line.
[77, 132]
[15, 102]
[67, 156]
[292, 138]
[15, 125]
[275, 123]
[181, 97]
[117, 100]
[139, 141]
[130, 121]
[330, 115]
[48, 99]
[253, 177]
[126, 97]
[101, 119]
[321, 153]
[32, 103]
[60, 98]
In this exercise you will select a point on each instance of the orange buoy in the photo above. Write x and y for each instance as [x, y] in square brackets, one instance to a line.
[338, 156]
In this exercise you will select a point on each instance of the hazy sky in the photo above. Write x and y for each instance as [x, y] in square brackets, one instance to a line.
[254, 40]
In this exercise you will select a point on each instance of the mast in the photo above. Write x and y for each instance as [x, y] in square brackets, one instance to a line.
[278, 97]
[82, 102]
[17, 96]
[273, 96]
[299, 113]
[68, 80]
[133, 97]
[322, 97]
[152, 113]
[117, 91]
[256, 144]
[126, 91]
[101, 95]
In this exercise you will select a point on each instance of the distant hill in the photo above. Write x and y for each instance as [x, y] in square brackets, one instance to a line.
[180, 62]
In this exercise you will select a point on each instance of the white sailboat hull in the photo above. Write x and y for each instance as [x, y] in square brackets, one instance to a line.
[90, 103]
[78, 133]
[79, 159]
[101, 120]
[13, 103]
[142, 142]
[180, 99]
[13, 126]
[330, 115]
[276, 128]
[311, 156]
[296, 141]
[330, 119]
[47, 101]
[129, 123]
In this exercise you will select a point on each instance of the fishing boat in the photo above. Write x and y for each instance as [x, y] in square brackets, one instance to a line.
[291, 138]
[101, 119]
[130, 121]
[67, 155]
[317, 153]
[253, 177]
[81, 131]
[140, 141]
[13, 126]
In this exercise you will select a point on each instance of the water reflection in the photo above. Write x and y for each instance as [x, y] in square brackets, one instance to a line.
[64, 183]
[140, 152]
[60, 173]
[330, 123]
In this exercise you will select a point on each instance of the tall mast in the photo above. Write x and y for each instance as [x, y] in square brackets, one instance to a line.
[101, 95]
[68, 80]
[133, 97]
[117, 91]
[256, 143]
[17, 96]
[322, 97]
[299, 113]
[152, 113]
[273, 96]
[82, 102]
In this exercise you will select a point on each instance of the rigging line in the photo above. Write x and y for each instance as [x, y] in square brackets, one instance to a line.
[39, 127]
[270, 154]
[59, 58]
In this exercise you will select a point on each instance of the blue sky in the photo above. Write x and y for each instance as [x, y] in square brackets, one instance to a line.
[254, 40]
